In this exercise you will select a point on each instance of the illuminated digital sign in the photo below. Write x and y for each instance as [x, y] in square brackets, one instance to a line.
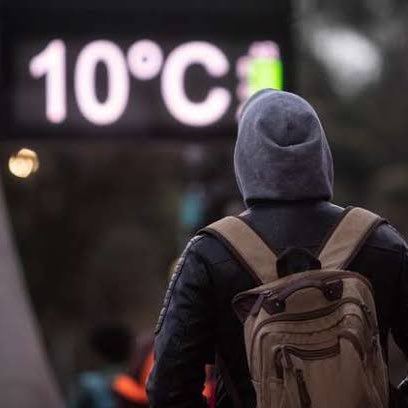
[145, 59]
[124, 83]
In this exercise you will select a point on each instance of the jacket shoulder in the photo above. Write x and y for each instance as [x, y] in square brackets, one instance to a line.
[387, 237]
[210, 248]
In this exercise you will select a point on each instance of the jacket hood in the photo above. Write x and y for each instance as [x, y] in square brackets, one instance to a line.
[281, 151]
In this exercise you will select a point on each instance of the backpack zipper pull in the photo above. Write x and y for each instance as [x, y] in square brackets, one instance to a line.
[305, 400]
[370, 318]
[257, 305]
[287, 363]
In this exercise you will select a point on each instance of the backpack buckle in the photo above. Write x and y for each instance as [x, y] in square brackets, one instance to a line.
[333, 290]
[275, 305]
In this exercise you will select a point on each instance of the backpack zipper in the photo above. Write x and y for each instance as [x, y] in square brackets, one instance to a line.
[283, 361]
[305, 400]
[316, 314]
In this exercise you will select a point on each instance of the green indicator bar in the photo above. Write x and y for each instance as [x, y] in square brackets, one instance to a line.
[265, 73]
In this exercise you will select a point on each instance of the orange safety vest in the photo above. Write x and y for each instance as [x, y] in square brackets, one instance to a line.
[135, 391]
[210, 386]
[131, 389]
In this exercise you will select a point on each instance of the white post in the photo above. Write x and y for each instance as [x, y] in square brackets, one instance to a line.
[26, 380]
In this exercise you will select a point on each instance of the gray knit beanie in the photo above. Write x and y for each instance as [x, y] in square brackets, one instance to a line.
[282, 152]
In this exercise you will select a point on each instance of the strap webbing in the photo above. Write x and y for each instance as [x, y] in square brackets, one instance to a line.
[247, 246]
[348, 238]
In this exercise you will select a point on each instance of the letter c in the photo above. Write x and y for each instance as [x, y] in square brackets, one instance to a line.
[217, 102]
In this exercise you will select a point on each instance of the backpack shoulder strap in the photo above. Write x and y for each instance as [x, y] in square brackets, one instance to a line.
[247, 246]
[348, 237]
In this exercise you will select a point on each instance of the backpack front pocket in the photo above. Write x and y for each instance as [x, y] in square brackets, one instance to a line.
[334, 377]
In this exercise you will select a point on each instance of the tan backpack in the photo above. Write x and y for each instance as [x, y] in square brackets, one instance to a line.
[311, 337]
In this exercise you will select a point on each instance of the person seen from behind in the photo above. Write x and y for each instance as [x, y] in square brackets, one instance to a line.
[130, 385]
[112, 344]
[266, 295]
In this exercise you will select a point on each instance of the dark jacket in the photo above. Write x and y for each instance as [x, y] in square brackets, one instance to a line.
[283, 162]
[198, 326]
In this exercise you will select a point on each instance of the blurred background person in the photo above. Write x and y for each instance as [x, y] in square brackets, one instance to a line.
[130, 385]
[112, 344]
